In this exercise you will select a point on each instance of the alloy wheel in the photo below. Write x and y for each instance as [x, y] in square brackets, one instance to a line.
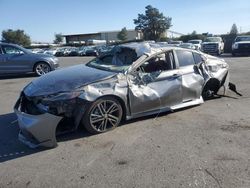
[105, 115]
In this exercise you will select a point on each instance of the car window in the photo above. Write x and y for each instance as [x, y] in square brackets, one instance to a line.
[107, 60]
[197, 58]
[185, 58]
[11, 50]
[160, 62]
[1, 50]
[118, 61]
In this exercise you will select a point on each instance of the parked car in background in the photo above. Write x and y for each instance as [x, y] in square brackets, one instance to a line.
[73, 52]
[37, 50]
[213, 45]
[92, 51]
[60, 52]
[136, 79]
[176, 43]
[188, 45]
[241, 45]
[16, 59]
[197, 43]
[82, 50]
[50, 51]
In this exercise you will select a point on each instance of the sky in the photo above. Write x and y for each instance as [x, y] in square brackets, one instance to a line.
[41, 19]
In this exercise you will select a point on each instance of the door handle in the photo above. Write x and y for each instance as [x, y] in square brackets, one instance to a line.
[176, 75]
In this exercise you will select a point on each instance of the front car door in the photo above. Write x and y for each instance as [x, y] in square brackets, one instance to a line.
[155, 84]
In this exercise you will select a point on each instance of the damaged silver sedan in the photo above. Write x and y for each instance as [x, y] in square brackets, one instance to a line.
[133, 80]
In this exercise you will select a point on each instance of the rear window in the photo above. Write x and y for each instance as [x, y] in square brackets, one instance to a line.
[185, 58]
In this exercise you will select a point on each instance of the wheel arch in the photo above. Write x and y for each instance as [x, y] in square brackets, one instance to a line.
[121, 101]
[213, 84]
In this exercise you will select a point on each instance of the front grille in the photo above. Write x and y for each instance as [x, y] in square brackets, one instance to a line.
[244, 46]
[210, 48]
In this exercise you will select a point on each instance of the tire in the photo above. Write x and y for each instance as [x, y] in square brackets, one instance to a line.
[42, 68]
[102, 115]
[219, 52]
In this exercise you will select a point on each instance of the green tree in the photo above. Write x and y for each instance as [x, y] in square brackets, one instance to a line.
[122, 35]
[153, 24]
[16, 36]
[58, 38]
[234, 30]
[194, 33]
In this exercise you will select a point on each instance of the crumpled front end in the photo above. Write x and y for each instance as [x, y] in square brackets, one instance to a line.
[40, 119]
[36, 130]
[216, 74]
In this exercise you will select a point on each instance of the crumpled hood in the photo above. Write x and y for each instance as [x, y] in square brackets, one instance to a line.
[67, 79]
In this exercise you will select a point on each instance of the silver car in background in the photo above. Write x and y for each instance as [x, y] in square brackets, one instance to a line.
[15, 59]
[134, 80]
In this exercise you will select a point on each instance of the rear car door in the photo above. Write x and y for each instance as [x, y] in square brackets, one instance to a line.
[155, 84]
[192, 81]
[15, 60]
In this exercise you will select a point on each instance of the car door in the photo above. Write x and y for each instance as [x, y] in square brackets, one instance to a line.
[192, 81]
[155, 84]
[14, 60]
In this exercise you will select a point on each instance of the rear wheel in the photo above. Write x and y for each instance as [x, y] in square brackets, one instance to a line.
[42, 68]
[103, 115]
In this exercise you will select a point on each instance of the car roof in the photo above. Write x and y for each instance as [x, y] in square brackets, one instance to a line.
[146, 48]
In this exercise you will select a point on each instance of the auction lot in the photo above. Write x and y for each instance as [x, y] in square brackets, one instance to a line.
[202, 146]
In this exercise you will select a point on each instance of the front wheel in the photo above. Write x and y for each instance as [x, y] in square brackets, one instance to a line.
[103, 115]
[42, 68]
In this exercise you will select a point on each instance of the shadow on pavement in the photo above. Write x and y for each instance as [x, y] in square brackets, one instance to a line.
[10, 146]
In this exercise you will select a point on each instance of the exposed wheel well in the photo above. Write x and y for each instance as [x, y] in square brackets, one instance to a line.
[211, 87]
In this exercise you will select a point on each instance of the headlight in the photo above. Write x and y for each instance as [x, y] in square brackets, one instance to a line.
[235, 46]
[62, 96]
[217, 67]
[213, 68]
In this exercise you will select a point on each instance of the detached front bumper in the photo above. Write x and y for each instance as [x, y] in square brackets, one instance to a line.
[36, 130]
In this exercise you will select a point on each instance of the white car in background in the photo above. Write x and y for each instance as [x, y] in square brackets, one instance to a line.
[50, 51]
[213, 45]
[197, 43]
[176, 42]
[188, 46]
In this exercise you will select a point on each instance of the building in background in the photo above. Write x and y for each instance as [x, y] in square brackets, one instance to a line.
[110, 36]
[107, 36]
